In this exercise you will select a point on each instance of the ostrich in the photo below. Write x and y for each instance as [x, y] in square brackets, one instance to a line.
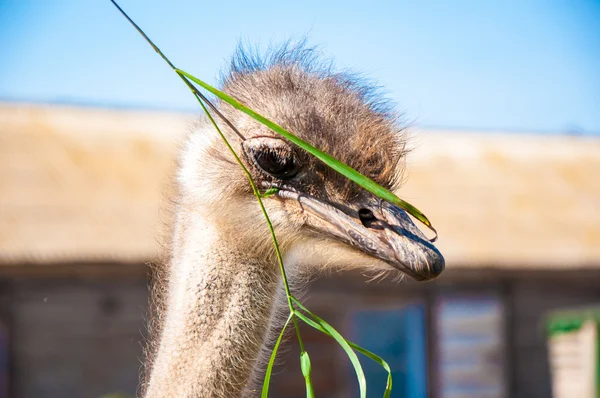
[218, 296]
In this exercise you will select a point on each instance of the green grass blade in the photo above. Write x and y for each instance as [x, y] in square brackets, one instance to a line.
[364, 351]
[360, 374]
[267, 380]
[380, 361]
[329, 160]
[326, 328]
[258, 195]
[270, 192]
[345, 170]
[306, 371]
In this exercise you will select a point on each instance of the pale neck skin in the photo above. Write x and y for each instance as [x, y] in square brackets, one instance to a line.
[217, 314]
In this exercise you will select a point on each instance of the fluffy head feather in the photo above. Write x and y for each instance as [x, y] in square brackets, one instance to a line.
[339, 113]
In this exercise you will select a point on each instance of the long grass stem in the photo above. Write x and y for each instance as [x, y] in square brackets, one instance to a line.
[295, 313]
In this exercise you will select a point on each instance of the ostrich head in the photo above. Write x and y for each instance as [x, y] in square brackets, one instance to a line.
[322, 220]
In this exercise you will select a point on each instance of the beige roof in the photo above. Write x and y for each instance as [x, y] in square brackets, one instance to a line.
[84, 184]
[510, 199]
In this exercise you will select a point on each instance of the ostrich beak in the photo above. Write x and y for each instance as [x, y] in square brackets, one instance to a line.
[377, 228]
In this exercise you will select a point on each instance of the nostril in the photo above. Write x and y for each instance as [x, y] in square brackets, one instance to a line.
[366, 217]
[366, 214]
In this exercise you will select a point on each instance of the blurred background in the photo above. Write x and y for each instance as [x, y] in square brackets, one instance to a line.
[504, 103]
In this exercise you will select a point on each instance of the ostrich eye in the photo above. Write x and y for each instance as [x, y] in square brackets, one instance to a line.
[277, 163]
[273, 156]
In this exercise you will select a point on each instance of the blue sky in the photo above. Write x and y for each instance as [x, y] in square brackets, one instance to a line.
[531, 66]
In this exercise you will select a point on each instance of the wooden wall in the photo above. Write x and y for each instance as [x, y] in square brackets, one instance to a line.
[74, 337]
[82, 336]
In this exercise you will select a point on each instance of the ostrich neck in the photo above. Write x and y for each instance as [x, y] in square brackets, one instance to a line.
[217, 314]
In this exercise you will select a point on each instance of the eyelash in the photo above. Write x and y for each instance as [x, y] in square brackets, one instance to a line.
[272, 163]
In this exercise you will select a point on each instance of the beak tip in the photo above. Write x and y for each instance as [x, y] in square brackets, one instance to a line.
[435, 267]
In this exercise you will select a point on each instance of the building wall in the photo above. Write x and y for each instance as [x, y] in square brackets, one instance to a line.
[73, 337]
[83, 335]
[516, 357]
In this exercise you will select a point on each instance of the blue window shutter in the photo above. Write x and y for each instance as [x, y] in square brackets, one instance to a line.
[398, 336]
[416, 354]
